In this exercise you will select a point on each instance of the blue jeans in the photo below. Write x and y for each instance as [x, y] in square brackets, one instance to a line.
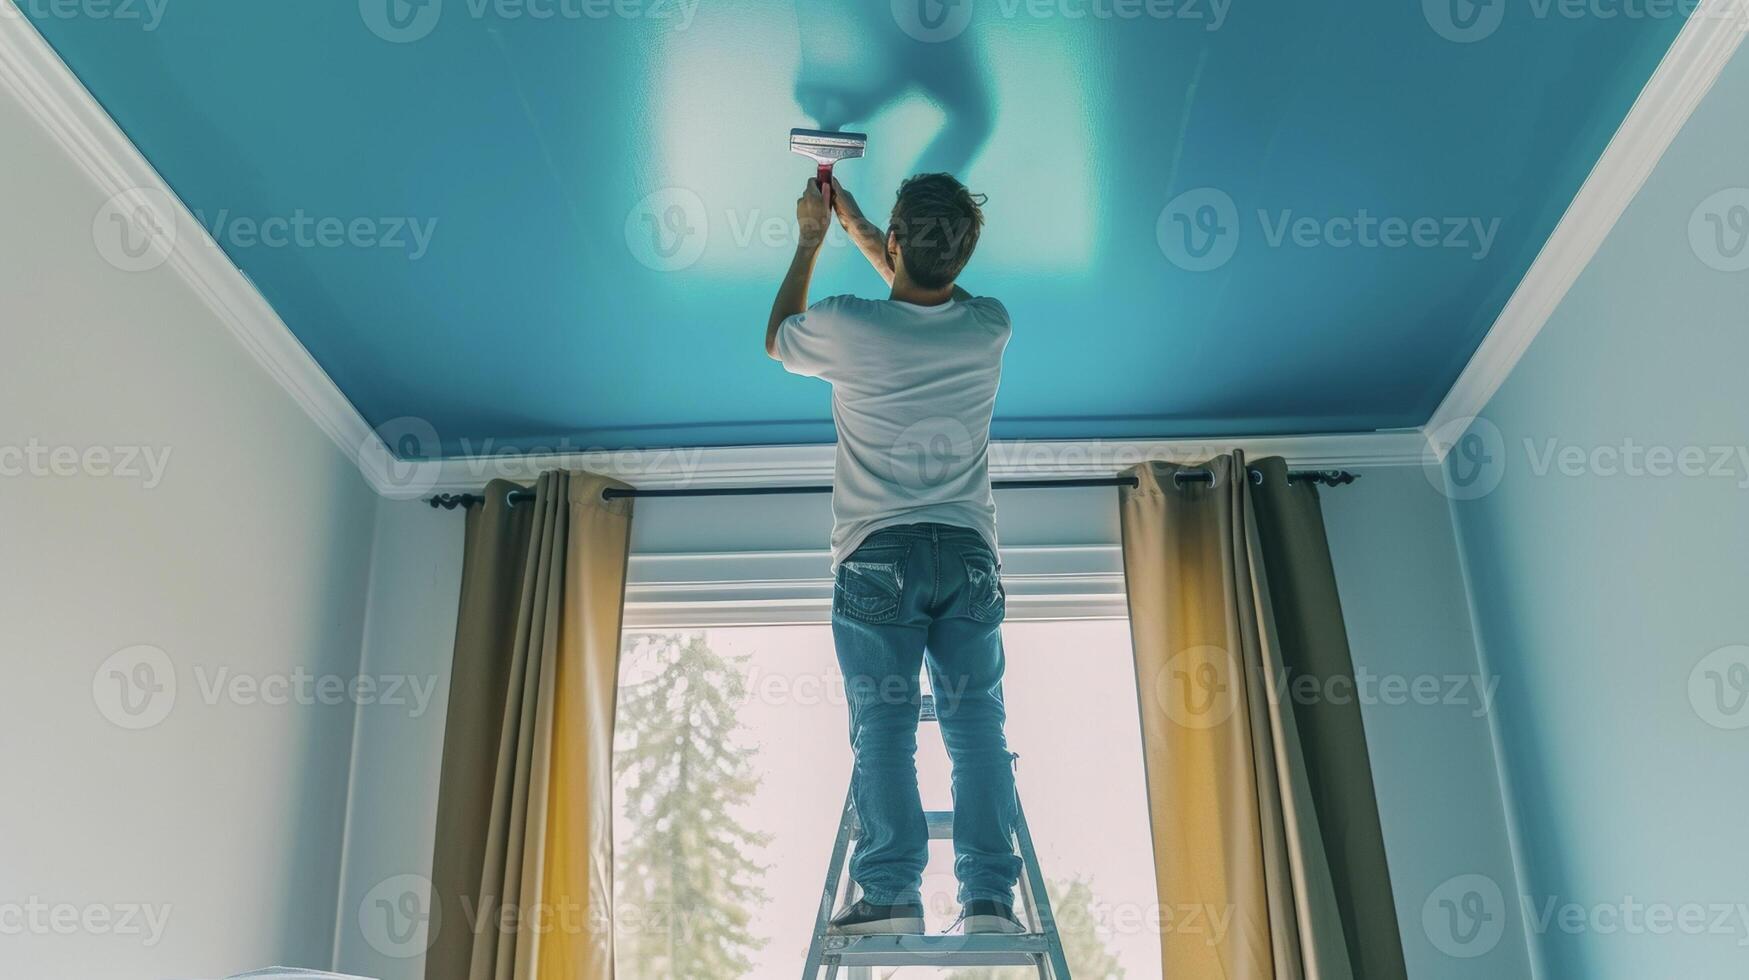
[910, 596]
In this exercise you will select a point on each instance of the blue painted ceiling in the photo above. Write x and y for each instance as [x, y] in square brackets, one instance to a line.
[567, 217]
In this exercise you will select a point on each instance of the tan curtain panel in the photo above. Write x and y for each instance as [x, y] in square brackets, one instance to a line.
[1269, 860]
[522, 874]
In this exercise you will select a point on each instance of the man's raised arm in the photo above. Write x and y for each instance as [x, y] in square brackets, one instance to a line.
[871, 241]
[792, 297]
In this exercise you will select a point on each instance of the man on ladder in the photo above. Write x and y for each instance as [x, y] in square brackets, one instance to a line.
[914, 381]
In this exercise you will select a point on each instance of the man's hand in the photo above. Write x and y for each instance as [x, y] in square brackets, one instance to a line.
[811, 214]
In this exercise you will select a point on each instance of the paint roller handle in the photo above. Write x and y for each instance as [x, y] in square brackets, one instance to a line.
[825, 178]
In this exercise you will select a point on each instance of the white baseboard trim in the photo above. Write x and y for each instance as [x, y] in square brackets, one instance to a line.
[1699, 54]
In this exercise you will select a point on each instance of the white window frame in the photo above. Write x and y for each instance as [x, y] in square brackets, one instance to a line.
[786, 588]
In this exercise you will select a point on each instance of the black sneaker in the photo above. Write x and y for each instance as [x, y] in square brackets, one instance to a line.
[863, 919]
[986, 915]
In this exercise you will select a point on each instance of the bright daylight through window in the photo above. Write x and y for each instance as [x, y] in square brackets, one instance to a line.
[731, 764]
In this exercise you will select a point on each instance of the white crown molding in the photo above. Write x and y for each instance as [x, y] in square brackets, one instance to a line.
[1687, 72]
[35, 75]
[774, 466]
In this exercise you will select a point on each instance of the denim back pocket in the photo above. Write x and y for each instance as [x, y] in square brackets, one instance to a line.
[986, 597]
[869, 584]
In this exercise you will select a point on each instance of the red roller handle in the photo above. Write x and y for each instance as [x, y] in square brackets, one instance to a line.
[825, 179]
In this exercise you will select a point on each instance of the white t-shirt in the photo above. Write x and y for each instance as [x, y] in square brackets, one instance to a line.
[913, 388]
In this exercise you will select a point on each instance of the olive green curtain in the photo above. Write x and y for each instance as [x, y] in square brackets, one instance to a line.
[1262, 807]
[522, 873]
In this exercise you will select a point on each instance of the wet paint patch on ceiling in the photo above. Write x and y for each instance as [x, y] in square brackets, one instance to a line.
[560, 224]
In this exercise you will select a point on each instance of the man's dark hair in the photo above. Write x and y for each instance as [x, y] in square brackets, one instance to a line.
[936, 221]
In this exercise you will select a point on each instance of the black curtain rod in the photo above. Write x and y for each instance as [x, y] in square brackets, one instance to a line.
[1328, 478]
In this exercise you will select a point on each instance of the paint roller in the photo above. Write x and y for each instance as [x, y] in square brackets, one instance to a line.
[826, 149]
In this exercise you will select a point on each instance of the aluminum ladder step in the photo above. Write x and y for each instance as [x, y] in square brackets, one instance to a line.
[980, 950]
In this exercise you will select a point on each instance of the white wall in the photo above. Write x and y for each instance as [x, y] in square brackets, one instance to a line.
[1402, 592]
[247, 554]
[1434, 765]
[415, 586]
[1603, 523]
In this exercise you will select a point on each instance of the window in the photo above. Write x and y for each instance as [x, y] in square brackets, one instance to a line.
[731, 765]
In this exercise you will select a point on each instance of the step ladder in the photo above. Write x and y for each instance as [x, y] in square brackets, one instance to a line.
[1040, 947]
